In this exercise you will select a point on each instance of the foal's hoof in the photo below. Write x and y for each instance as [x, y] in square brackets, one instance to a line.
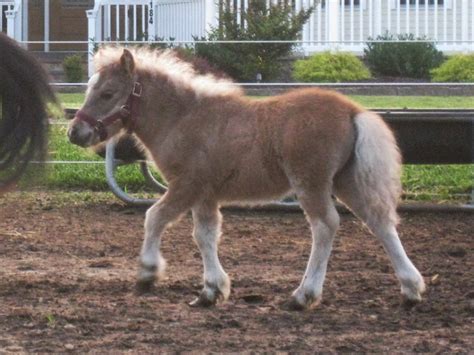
[145, 286]
[407, 304]
[209, 296]
[293, 305]
[301, 303]
[412, 291]
[202, 302]
[411, 300]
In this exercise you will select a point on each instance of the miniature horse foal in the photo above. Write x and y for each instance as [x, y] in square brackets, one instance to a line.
[215, 146]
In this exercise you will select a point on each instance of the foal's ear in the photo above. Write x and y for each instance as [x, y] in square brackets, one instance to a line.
[127, 62]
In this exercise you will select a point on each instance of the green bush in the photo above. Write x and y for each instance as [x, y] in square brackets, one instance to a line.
[242, 61]
[73, 69]
[458, 68]
[330, 67]
[408, 59]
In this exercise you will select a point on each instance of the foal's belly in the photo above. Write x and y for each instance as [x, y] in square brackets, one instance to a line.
[254, 182]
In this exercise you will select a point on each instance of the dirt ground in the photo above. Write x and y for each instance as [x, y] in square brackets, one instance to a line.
[67, 272]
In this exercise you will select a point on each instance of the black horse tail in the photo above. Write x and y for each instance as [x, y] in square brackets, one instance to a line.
[24, 94]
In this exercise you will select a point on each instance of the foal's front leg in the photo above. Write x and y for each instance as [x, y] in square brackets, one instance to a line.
[158, 217]
[207, 225]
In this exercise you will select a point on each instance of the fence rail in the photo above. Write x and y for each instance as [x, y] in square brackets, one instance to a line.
[424, 136]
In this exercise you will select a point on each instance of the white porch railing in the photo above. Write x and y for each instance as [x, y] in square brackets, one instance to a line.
[180, 20]
[347, 24]
[334, 25]
[148, 20]
[11, 25]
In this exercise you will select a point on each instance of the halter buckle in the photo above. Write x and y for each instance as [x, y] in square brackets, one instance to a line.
[125, 111]
[99, 126]
[137, 89]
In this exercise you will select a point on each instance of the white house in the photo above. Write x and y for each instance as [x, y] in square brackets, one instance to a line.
[335, 24]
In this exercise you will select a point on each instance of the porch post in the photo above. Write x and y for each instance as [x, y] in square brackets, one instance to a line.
[19, 17]
[151, 21]
[305, 35]
[11, 17]
[465, 24]
[24, 21]
[211, 14]
[378, 18]
[334, 23]
[46, 25]
[14, 26]
[94, 36]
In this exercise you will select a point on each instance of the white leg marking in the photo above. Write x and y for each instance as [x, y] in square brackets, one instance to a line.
[412, 283]
[206, 234]
[151, 261]
[310, 290]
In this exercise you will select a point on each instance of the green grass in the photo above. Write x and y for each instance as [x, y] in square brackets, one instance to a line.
[422, 182]
[438, 182]
[414, 102]
[76, 100]
[83, 176]
[71, 100]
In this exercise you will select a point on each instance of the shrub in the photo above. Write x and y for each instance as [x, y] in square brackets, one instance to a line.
[458, 68]
[73, 69]
[330, 67]
[243, 61]
[409, 59]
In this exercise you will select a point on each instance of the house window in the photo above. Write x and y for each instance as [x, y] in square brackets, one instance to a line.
[348, 2]
[421, 2]
[441, 3]
[78, 3]
[357, 3]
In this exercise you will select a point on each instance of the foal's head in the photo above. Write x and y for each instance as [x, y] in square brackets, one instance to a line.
[109, 103]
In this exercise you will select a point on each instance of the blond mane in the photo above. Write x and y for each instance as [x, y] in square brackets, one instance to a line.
[165, 62]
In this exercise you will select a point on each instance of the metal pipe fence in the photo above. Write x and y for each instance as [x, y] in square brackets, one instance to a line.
[401, 120]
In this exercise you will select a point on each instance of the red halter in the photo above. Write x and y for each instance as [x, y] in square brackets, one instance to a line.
[127, 114]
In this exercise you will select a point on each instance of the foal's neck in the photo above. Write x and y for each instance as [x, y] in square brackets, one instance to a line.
[163, 104]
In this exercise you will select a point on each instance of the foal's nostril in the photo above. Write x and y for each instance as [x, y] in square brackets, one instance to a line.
[69, 132]
[72, 134]
[75, 137]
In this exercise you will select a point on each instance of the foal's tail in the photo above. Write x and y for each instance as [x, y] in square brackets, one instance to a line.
[374, 172]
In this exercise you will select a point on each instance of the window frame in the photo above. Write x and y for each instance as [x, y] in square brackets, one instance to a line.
[362, 4]
[447, 3]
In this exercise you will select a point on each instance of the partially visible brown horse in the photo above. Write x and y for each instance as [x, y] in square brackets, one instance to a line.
[24, 92]
[214, 146]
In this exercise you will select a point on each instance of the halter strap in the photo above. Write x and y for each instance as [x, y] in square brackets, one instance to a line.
[127, 114]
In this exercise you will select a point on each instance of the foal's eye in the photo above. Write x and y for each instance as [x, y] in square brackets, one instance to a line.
[106, 95]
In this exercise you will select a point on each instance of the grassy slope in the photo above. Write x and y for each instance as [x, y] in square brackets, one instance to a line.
[420, 182]
[435, 102]
[75, 101]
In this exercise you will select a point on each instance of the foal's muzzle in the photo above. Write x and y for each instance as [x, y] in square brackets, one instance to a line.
[79, 135]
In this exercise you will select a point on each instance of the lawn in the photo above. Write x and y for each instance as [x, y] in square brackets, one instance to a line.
[76, 100]
[427, 182]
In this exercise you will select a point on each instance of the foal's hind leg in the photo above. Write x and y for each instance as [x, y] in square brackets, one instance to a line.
[384, 228]
[158, 217]
[207, 223]
[324, 219]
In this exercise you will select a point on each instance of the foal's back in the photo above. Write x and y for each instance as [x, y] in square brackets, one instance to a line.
[256, 146]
